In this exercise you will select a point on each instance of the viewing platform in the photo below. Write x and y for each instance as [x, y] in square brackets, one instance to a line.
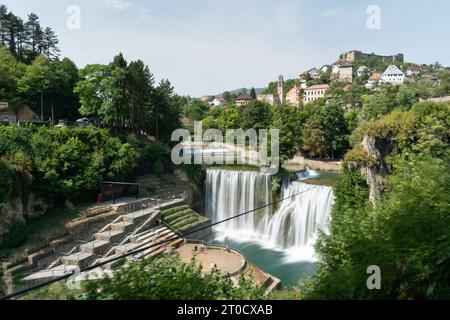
[228, 262]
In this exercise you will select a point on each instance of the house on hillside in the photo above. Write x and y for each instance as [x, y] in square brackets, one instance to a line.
[374, 81]
[294, 95]
[393, 75]
[325, 68]
[243, 99]
[315, 92]
[361, 71]
[413, 70]
[314, 73]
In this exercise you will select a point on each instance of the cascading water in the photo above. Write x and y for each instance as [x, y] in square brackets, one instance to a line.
[294, 226]
[229, 193]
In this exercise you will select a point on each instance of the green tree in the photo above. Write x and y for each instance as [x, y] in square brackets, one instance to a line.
[253, 93]
[101, 92]
[167, 278]
[407, 236]
[289, 121]
[10, 72]
[326, 132]
[256, 115]
[230, 118]
[195, 109]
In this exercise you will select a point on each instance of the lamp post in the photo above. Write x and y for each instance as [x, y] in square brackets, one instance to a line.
[42, 105]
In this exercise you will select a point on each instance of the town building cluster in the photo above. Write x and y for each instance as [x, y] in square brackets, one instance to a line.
[313, 84]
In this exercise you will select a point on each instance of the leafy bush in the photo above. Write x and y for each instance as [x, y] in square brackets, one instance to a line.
[68, 163]
[167, 278]
[16, 235]
[6, 182]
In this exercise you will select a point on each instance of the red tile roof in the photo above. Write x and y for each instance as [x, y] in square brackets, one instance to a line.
[375, 77]
[318, 87]
[244, 96]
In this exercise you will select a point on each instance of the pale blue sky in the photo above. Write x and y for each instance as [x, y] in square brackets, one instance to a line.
[208, 46]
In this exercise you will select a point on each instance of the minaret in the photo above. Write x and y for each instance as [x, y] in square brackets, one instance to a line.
[281, 89]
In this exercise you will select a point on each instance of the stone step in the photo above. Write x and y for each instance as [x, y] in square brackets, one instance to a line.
[158, 234]
[110, 236]
[57, 271]
[148, 232]
[137, 216]
[156, 240]
[80, 259]
[124, 226]
[123, 249]
[95, 247]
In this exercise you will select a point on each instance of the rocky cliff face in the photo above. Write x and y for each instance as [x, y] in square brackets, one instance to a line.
[17, 208]
[374, 174]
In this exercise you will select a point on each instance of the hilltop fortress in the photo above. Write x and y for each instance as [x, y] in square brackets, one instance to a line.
[356, 55]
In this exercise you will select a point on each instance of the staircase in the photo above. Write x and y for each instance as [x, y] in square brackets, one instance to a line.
[127, 232]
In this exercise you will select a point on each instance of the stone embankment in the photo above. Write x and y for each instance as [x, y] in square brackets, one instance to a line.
[299, 163]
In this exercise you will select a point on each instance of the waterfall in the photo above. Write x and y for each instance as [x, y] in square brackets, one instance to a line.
[296, 222]
[229, 193]
[294, 226]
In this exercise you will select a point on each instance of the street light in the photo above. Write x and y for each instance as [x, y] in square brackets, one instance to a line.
[42, 105]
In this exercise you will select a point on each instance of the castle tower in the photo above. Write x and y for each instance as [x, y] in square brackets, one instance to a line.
[281, 89]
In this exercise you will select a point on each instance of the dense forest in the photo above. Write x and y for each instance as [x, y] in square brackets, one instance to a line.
[64, 165]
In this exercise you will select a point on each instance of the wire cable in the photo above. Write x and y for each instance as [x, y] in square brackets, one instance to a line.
[140, 250]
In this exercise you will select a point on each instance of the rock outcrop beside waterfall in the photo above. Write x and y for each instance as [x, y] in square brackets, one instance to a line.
[374, 173]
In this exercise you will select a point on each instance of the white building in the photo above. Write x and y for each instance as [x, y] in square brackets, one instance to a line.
[393, 75]
[315, 92]
[325, 68]
[314, 73]
[361, 71]
[335, 69]
[374, 81]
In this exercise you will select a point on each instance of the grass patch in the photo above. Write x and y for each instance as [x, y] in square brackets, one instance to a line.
[183, 218]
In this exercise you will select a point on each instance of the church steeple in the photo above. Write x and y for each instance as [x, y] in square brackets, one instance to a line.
[281, 89]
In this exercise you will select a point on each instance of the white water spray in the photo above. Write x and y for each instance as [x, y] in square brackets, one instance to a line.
[293, 227]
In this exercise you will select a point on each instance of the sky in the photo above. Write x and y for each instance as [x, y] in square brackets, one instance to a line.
[210, 46]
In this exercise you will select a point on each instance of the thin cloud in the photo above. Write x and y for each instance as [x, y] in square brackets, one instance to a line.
[119, 5]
